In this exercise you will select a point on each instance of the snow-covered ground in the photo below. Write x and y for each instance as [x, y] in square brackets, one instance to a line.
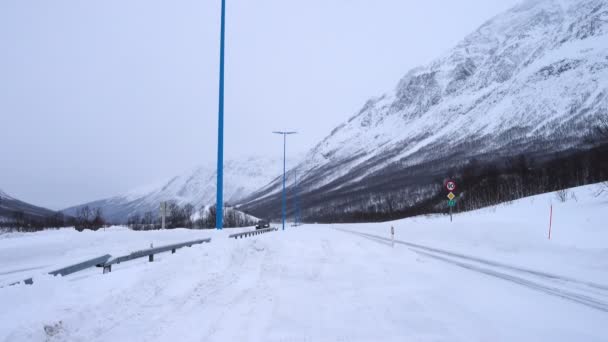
[490, 275]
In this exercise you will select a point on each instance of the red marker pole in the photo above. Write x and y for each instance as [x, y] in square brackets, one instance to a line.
[550, 220]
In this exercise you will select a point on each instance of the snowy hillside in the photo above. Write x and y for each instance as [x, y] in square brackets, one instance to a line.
[490, 275]
[196, 187]
[533, 81]
[12, 208]
[4, 195]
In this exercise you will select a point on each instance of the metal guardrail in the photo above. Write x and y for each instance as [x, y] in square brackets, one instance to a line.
[107, 266]
[81, 266]
[252, 233]
[106, 261]
[71, 269]
[28, 281]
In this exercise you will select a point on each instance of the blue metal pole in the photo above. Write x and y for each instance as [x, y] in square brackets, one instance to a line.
[219, 204]
[284, 197]
[284, 171]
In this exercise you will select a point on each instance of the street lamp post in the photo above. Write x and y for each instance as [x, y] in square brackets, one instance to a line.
[284, 153]
[219, 204]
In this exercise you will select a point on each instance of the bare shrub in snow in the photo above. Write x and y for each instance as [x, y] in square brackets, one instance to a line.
[602, 189]
[562, 195]
[53, 330]
[89, 218]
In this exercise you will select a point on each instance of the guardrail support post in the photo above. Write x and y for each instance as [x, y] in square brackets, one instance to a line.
[151, 257]
[173, 251]
[107, 269]
[243, 235]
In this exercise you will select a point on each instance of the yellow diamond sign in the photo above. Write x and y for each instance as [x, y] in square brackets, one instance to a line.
[451, 196]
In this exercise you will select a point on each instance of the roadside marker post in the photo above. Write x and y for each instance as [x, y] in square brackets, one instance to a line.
[550, 220]
[392, 236]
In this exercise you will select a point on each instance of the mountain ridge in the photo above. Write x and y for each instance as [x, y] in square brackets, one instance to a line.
[532, 80]
[12, 209]
[196, 187]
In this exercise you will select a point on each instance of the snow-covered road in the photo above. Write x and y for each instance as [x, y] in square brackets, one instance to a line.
[307, 284]
[579, 291]
[315, 283]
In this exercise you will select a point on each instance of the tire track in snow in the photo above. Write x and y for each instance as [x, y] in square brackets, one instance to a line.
[150, 306]
[452, 258]
[197, 298]
[225, 290]
[244, 296]
[575, 297]
[188, 314]
[490, 262]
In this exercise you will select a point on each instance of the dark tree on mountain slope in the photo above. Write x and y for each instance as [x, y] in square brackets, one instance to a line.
[55, 221]
[390, 203]
[520, 166]
[597, 134]
[602, 131]
[19, 217]
[176, 218]
[98, 220]
[188, 211]
[87, 218]
[230, 218]
[148, 220]
[83, 217]
[599, 137]
[211, 216]
[200, 221]
[133, 221]
[602, 128]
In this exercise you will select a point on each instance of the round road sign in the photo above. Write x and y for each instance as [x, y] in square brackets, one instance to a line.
[450, 185]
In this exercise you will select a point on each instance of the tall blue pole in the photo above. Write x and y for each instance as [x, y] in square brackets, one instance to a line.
[284, 169]
[219, 204]
[284, 197]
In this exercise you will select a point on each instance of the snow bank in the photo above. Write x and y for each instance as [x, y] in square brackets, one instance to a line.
[324, 282]
[518, 232]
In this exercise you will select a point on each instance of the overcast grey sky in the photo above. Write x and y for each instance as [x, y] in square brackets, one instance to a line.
[99, 97]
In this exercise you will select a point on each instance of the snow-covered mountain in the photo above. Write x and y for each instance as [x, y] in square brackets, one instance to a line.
[12, 209]
[196, 187]
[532, 80]
[4, 195]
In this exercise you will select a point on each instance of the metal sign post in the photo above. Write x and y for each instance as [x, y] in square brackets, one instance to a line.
[451, 187]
